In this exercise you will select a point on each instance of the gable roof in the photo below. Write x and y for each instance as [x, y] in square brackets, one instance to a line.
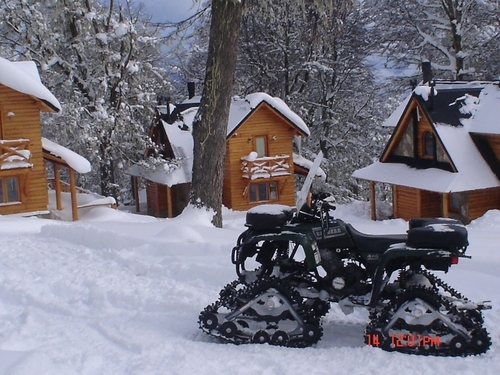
[462, 108]
[178, 123]
[239, 110]
[23, 77]
[452, 104]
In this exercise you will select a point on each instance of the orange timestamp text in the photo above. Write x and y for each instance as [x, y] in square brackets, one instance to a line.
[405, 340]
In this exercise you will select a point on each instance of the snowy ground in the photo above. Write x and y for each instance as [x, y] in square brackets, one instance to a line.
[117, 293]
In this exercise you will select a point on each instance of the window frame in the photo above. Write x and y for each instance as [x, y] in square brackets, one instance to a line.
[5, 190]
[269, 191]
[429, 143]
[255, 147]
[453, 199]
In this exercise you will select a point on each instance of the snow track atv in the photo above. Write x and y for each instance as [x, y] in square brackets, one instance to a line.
[292, 266]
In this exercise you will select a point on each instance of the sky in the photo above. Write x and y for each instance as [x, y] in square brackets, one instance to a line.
[170, 10]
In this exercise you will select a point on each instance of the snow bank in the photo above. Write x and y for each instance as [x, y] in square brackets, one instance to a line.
[120, 296]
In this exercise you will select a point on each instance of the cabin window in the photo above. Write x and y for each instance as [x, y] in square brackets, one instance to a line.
[263, 191]
[429, 143]
[457, 201]
[405, 146]
[9, 190]
[261, 146]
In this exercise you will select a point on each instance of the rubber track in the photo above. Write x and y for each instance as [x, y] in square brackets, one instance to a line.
[471, 322]
[236, 294]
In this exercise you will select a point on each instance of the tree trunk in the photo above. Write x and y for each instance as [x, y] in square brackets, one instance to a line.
[210, 125]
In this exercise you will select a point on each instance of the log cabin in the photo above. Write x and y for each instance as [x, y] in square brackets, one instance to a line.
[23, 153]
[443, 157]
[260, 163]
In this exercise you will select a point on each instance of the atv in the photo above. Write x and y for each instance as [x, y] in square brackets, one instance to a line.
[292, 265]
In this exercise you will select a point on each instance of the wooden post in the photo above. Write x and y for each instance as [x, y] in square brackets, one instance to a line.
[135, 188]
[74, 203]
[169, 202]
[446, 207]
[157, 198]
[57, 186]
[419, 203]
[373, 207]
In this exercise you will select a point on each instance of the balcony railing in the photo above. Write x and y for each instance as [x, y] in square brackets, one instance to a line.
[266, 167]
[15, 153]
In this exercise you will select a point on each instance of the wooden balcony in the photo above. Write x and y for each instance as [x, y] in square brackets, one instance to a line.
[15, 154]
[266, 167]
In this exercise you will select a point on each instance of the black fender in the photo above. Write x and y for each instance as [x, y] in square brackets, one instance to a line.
[400, 255]
[306, 240]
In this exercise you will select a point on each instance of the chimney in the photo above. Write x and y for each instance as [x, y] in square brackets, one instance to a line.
[191, 89]
[431, 96]
[426, 71]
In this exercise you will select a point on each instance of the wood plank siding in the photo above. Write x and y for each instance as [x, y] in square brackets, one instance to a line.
[480, 201]
[263, 122]
[410, 203]
[430, 204]
[24, 124]
[406, 202]
[164, 203]
[494, 142]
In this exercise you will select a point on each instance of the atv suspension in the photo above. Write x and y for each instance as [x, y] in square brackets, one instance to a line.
[265, 311]
[424, 320]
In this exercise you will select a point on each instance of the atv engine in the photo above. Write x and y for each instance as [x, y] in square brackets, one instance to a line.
[345, 275]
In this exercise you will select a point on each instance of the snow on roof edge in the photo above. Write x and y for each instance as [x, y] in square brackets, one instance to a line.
[74, 160]
[23, 77]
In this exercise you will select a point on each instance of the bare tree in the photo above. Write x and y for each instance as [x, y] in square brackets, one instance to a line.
[102, 63]
[210, 125]
[460, 37]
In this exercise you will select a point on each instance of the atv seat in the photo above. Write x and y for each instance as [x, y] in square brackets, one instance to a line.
[437, 233]
[268, 216]
[374, 243]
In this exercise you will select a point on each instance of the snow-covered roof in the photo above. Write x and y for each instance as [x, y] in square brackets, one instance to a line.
[75, 161]
[459, 114]
[452, 100]
[181, 139]
[307, 164]
[241, 108]
[486, 118]
[23, 77]
[473, 173]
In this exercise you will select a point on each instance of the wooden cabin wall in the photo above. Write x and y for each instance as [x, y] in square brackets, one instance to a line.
[406, 202]
[157, 198]
[180, 198]
[480, 201]
[25, 124]
[430, 204]
[494, 142]
[264, 121]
